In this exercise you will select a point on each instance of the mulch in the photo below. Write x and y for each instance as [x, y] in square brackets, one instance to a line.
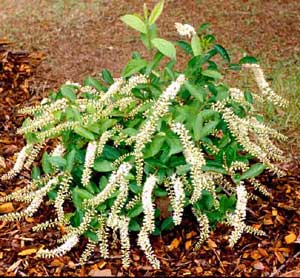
[277, 253]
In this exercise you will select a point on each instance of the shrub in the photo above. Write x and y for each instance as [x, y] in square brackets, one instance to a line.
[155, 132]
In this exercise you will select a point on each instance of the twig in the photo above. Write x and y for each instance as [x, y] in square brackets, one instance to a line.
[97, 260]
[284, 265]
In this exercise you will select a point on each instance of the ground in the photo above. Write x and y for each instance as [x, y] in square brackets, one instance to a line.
[80, 38]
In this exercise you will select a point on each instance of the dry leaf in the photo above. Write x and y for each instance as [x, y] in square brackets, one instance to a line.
[258, 265]
[174, 244]
[2, 162]
[101, 273]
[190, 235]
[7, 207]
[290, 238]
[188, 244]
[26, 252]
[211, 243]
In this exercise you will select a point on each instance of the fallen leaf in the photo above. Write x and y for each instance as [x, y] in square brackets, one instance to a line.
[7, 207]
[100, 273]
[26, 252]
[2, 162]
[174, 244]
[290, 238]
[188, 244]
[190, 235]
[211, 243]
[280, 257]
[258, 265]
[255, 255]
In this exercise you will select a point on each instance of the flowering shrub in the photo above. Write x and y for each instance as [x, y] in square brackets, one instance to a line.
[155, 132]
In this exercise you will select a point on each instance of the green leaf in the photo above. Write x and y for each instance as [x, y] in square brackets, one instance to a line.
[185, 46]
[248, 60]
[57, 161]
[68, 92]
[110, 153]
[82, 193]
[157, 10]
[134, 226]
[208, 128]
[84, 133]
[165, 47]
[195, 91]
[70, 157]
[135, 188]
[197, 126]
[46, 165]
[154, 146]
[134, 66]
[102, 165]
[248, 97]
[167, 224]
[134, 22]
[136, 210]
[91, 235]
[160, 192]
[77, 218]
[174, 143]
[107, 77]
[35, 173]
[196, 45]
[222, 51]
[253, 171]
[90, 81]
[203, 27]
[212, 73]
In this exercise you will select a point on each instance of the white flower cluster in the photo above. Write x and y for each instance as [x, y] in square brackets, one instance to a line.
[148, 223]
[264, 86]
[111, 186]
[18, 166]
[185, 29]
[34, 205]
[59, 150]
[132, 82]
[237, 219]
[33, 155]
[60, 250]
[203, 226]
[253, 136]
[89, 162]
[89, 249]
[62, 194]
[194, 157]
[160, 108]
[177, 201]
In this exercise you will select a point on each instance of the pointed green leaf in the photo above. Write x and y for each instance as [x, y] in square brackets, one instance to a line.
[134, 22]
[101, 165]
[223, 52]
[253, 171]
[196, 45]
[107, 77]
[156, 12]
[57, 161]
[248, 60]
[165, 47]
[84, 133]
[68, 92]
[212, 73]
[90, 81]
[134, 66]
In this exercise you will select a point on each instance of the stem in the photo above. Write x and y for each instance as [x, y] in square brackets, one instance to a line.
[149, 38]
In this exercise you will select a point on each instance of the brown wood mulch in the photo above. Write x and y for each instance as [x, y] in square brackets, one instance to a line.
[277, 253]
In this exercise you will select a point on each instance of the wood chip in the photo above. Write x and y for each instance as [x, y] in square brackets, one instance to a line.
[27, 252]
[290, 238]
[7, 207]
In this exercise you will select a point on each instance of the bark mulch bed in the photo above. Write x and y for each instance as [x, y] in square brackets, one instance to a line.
[272, 255]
